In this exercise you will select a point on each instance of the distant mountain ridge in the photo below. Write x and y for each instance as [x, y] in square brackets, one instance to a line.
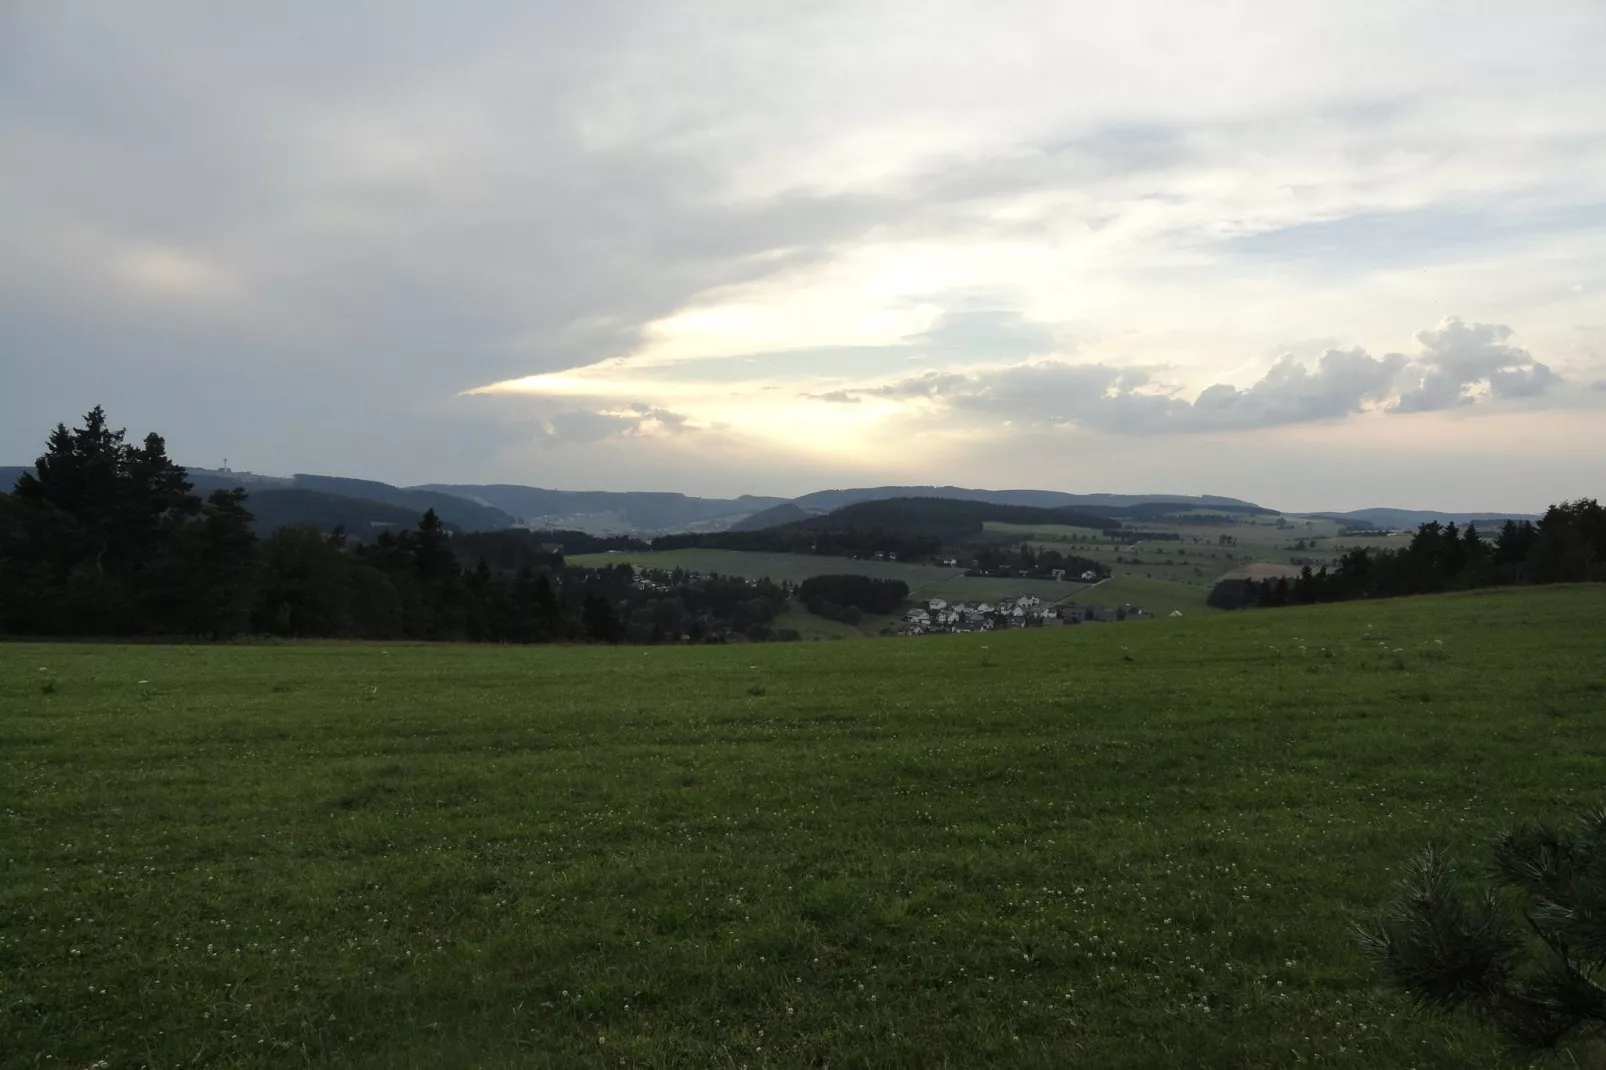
[640, 512]
[365, 503]
[827, 500]
[1393, 519]
[775, 516]
[359, 505]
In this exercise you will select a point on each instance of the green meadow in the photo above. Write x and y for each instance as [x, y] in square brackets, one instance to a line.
[755, 565]
[1140, 845]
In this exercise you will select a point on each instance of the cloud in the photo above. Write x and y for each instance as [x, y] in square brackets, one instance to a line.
[1457, 358]
[1129, 401]
[1343, 383]
[350, 216]
[930, 385]
[1459, 365]
[580, 426]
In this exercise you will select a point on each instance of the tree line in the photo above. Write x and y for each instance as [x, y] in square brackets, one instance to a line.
[106, 538]
[1567, 545]
[907, 529]
[848, 598]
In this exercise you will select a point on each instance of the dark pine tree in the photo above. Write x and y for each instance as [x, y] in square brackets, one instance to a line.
[1538, 980]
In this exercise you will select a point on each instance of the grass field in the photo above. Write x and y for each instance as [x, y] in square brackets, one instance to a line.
[757, 566]
[925, 581]
[1159, 597]
[993, 588]
[1136, 846]
[810, 626]
[1198, 564]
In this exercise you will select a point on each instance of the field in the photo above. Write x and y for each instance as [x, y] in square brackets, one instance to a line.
[1134, 846]
[809, 626]
[993, 588]
[1158, 597]
[757, 566]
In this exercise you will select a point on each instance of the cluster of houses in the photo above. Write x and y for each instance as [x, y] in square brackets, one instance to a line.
[938, 617]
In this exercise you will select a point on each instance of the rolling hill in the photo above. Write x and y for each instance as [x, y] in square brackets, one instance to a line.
[773, 517]
[828, 500]
[274, 509]
[1398, 519]
[461, 512]
[625, 512]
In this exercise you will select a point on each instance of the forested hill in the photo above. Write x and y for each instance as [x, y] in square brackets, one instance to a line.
[459, 512]
[773, 517]
[645, 511]
[359, 518]
[828, 500]
[1405, 519]
[359, 505]
[910, 527]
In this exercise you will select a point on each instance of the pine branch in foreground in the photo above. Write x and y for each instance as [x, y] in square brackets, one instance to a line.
[1525, 951]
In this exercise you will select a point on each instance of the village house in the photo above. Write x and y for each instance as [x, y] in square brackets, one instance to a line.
[1023, 611]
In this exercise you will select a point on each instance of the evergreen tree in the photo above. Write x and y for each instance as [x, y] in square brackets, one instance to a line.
[600, 620]
[1539, 982]
[305, 584]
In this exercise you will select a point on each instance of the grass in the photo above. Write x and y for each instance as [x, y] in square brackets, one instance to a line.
[993, 588]
[1050, 533]
[753, 565]
[1159, 597]
[810, 626]
[1133, 846]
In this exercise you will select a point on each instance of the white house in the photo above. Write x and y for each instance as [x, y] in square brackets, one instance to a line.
[936, 604]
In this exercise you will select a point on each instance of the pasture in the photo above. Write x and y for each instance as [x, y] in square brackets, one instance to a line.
[993, 588]
[1158, 596]
[753, 565]
[1133, 846]
[1198, 559]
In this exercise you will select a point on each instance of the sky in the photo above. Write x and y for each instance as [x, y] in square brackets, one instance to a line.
[1316, 255]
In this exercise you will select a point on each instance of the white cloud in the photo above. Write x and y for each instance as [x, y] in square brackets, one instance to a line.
[1458, 358]
[596, 425]
[1127, 401]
